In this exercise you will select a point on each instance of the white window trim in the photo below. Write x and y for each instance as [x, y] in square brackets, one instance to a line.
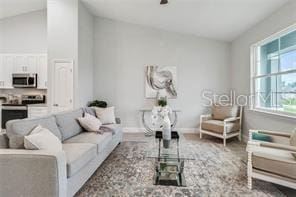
[253, 71]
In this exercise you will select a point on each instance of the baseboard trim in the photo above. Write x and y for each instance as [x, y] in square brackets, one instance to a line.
[142, 130]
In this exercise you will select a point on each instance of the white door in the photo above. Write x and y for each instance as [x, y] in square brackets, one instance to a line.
[62, 86]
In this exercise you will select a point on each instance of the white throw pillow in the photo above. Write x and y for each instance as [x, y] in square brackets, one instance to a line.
[106, 115]
[90, 123]
[42, 139]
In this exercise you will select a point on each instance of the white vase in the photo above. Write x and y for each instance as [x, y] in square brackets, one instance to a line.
[166, 137]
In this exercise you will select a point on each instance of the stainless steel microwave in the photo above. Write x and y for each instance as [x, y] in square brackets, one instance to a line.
[26, 80]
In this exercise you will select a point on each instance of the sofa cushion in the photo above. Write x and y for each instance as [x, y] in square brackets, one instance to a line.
[90, 111]
[274, 161]
[90, 123]
[217, 126]
[68, 123]
[220, 112]
[114, 128]
[106, 115]
[78, 155]
[100, 140]
[42, 139]
[17, 129]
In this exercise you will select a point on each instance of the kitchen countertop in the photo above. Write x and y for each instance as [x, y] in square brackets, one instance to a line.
[37, 105]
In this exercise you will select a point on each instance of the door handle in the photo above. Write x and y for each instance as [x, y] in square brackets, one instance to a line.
[56, 105]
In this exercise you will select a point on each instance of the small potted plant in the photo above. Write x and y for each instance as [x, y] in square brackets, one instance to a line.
[162, 101]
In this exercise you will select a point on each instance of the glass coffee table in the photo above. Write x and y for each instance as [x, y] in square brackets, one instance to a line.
[169, 162]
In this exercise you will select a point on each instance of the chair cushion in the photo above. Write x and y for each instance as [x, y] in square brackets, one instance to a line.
[78, 155]
[220, 112]
[17, 129]
[100, 140]
[274, 161]
[68, 123]
[261, 137]
[217, 126]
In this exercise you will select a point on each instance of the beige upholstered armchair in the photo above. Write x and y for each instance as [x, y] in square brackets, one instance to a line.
[272, 161]
[224, 122]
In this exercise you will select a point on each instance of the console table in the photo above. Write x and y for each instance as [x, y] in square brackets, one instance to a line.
[149, 131]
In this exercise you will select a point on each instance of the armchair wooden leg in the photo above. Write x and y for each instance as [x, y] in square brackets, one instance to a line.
[249, 170]
[250, 185]
[200, 134]
[240, 137]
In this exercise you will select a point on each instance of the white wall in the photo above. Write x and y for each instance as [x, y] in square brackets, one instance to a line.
[25, 33]
[85, 55]
[121, 52]
[70, 29]
[240, 61]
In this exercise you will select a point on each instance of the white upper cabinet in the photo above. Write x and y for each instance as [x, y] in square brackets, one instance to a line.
[6, 67]
[23, 63]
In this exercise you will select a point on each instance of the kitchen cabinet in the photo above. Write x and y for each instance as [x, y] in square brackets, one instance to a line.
[37, 111]
[23, 63]
[6, 62]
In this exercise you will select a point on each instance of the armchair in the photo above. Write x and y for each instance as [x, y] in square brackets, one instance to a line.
[272, 161]
[224, 122]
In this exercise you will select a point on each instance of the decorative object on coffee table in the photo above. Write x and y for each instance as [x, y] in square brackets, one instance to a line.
[169, 161]
[160, 117]
[148, 130]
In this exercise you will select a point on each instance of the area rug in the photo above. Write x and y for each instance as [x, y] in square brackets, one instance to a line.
[216, 171]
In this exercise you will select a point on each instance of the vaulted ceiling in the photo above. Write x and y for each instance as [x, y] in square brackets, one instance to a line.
[217, 19]
[15, 7]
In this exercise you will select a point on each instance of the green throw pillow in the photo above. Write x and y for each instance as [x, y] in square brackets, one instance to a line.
[261, 137]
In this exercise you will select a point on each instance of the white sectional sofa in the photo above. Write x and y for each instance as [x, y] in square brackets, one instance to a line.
[42, 173]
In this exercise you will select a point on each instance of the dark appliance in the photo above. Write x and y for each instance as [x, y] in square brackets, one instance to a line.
[19, 111]
[12, 112]
[26, 80]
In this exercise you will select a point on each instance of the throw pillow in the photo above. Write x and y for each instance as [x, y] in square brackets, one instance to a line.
[106, 115]
[293, 141]
[90, 123]
[42, 139]
[261, 137]
[221, 112]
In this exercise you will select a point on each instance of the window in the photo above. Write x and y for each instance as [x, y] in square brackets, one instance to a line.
[273, 76]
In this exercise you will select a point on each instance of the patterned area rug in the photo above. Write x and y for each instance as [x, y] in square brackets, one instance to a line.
[217, 171]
